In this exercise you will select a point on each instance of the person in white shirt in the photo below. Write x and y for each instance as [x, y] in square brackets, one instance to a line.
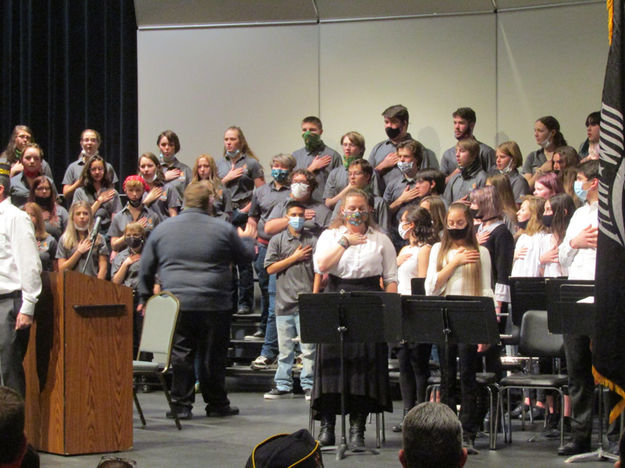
[417, 228]
[20, 285]
[532, 231]
[460, 266]
[356, 256]
[578, 253]
[558, 212]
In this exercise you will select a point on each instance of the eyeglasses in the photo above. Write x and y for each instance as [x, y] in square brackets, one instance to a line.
[42, 188]
[355, 173]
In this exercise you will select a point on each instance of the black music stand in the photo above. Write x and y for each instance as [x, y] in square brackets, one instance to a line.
[349, 317]
[565, 314]
[526, 293]
[449, 320]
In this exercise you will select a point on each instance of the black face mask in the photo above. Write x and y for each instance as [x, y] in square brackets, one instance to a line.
[392, 133]
[475, 213]
[134, 203]
[457, 234]
[522, 224]
[134, 242]
[547, 220]
[41, 201]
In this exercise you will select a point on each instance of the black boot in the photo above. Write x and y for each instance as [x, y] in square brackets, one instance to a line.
[326, 432]
[357, 431]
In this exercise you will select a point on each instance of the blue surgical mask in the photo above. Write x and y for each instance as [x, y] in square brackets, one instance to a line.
[233, 154]
[405, 166]
[297, 222]
[279, 175]
[579, 191]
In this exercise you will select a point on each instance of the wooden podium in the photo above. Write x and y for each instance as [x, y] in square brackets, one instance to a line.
[79, 366]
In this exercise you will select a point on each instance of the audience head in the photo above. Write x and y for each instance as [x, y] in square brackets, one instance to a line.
[353, 144]
[281, 167]
[90, 141]
[150, 169]
[20, 137]
[563, 157]
[303, 184]
[464, 122]
[557, 214]
[548, 185]
[547, 132]
[395, 121]
[168, 144]
[486, 203]
[430, 181]
[359, 173]
[204, 168]
[12, 438]
[508, 156]
[432, 438]
[410, 153]
[592, 126]
[31, 158]
[416, 226]
[436, 206]
[43, 192]
[467, 151]
[298, 450]
[530, 215]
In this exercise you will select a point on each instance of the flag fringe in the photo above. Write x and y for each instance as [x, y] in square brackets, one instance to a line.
[610, 7]
[620, 406]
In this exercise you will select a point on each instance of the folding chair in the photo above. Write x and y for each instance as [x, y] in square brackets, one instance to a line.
[159, 323]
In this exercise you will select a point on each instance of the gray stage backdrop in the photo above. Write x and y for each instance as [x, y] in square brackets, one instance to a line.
[512, 68]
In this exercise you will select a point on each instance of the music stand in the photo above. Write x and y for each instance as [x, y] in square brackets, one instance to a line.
[526, 293]
[568, 316]
[449, 320]
[349, 317]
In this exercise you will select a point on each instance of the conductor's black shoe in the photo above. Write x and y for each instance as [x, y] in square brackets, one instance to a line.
[574, 447]
[183, 413]
[222, 412]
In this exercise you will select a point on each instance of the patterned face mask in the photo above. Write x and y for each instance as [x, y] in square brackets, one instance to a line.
[355, 217]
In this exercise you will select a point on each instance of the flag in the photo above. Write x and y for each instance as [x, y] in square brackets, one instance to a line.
[609, 339]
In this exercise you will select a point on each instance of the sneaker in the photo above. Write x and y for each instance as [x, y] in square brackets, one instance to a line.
[308, 394]
[244, 310]
[298, 364]
[263, 362]
[275, 394]
[259, 335]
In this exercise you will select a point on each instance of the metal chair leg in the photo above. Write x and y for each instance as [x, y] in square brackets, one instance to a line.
[138, 406]
[161, 377]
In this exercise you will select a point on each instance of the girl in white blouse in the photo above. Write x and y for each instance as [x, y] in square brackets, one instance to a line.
[532, 232]
[357, 257]
[460, 266]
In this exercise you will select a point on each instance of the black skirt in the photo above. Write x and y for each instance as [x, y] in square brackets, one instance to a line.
[366, 367]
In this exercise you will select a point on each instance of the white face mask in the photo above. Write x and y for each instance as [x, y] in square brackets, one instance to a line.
[404, 232]
[299, 190]
[508, 168]
[149, 180]
[80, 229]
[546, 142]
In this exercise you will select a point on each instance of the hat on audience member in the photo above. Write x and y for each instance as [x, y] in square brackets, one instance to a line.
[286, 450]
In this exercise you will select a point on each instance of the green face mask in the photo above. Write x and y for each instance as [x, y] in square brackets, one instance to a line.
[312, 141]
[347, 160]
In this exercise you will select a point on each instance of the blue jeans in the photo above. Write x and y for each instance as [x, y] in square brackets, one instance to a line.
[288, 328]
[263, 284]
[270, 346]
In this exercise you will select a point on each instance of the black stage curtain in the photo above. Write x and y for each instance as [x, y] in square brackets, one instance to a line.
[68, 65]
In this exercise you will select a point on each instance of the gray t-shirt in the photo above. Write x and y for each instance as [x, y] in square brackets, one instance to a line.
[462, 184]
[296, 279]
[57, 226]
[93, 265]
[264, 199]
[449, 162]
[533, 161]
[124, 217]
[179, 184]
[315, 225]
[304, 158]
[106, 210]
[132, 274]
[241, 188]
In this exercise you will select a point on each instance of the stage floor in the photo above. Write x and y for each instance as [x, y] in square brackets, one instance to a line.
[228, 442]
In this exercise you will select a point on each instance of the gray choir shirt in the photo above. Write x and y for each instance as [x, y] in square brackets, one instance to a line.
[264, 199]
[20, 190]
[74, 170]
[339, 179]
[241, 188]
[124, 217]
[106, 210]
[315, 225]
[386, 147]
[304, 158]
[392, 193]
[192, 254]
[93, 265]
[533, 161]
[449, 162]
[179, 184]
[460, 186]
[296, 279]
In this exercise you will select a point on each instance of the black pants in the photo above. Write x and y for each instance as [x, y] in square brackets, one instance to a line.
[472, 395]
[581, 385]
[414, 370]
[206, 333]
[13, 345]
